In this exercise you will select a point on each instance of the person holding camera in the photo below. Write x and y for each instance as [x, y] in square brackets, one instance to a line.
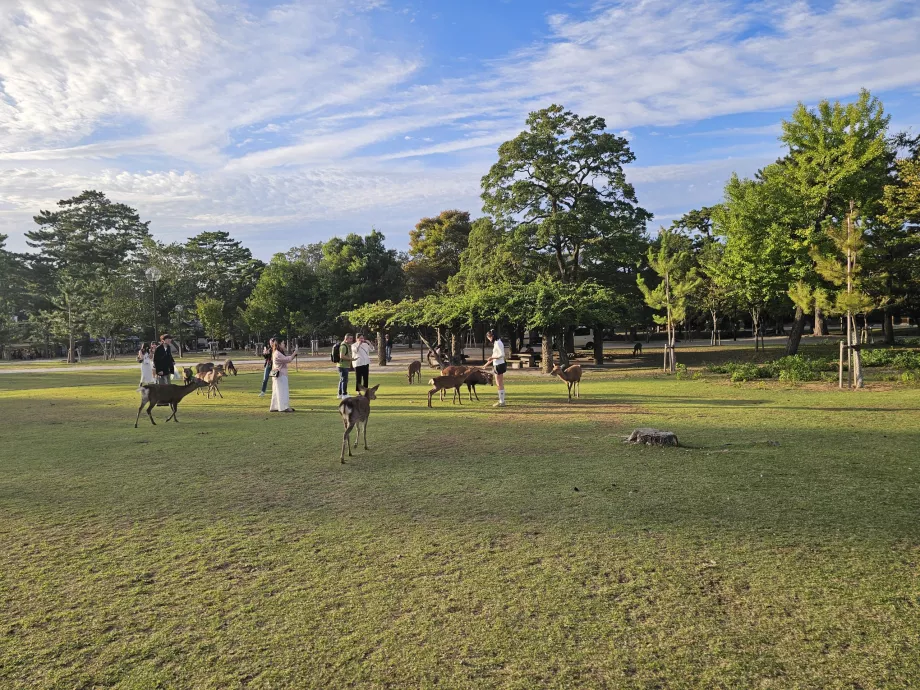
[267, 356]
[361, 356]
[281, 394]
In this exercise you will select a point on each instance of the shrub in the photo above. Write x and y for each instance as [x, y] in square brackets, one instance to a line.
[877, 358]
[682, 371]
[910, 377]
[906, 359]
[798, 368]
[726, 368]
[750, 372]
[908, 342]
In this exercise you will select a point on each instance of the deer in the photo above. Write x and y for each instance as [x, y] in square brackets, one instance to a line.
[478, 377]
[355, 411]
[443, 383]
[637, 349]
[187, 376]
[166, 393]
[212, 378]
[414, 371]
[571, 375]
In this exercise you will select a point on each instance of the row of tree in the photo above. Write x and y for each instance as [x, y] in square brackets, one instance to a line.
[833, 227]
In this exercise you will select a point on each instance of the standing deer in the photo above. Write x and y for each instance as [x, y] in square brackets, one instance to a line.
[443, 383]
[572, 376]
[415, 371]
[478, 377]
[166, 393]
[355, 412]
[212, 378]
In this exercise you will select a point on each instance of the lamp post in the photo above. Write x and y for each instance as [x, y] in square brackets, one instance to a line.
[179, 310]
[153, 275]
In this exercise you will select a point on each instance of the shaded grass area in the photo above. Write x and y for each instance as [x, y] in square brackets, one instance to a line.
[233, 550]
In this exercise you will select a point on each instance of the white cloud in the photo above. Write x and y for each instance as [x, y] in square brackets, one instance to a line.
[152, 101]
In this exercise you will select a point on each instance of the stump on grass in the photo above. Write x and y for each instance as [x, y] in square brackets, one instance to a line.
[653, 437]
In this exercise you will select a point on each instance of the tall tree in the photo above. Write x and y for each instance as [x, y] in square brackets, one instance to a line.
[435, 247]
[837, 153]
[677, 282]
[561, 185]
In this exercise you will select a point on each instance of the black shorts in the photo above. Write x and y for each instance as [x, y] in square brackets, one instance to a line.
[501, 368]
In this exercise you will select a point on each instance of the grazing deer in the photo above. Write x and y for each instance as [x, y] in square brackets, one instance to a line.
[355, 412]
[637, 349]
[443, 383]
[166, 393]
[230, 367]
[478, 377]
[572, 376]
[415, 371]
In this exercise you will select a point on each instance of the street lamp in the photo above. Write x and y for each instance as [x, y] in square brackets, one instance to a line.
[153, 275]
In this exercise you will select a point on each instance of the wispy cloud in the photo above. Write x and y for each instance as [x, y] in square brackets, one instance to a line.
[300, 115]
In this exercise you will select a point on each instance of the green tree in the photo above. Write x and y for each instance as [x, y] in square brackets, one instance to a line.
[211, 314]
[435, 247]
[374, 316]
[837, 153]
[561, 186]
[677, 283]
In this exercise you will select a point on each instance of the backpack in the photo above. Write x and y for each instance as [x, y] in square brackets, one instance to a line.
[336, 353]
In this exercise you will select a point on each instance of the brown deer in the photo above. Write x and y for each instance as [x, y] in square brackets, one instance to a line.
[443, 383]
[637, 349]
[478, 377]
[415, 371]
[212, 378]
[166, 393]
[572, 376]
[355, 411]
[187, 376]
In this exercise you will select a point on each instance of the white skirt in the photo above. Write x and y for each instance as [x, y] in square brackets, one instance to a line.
[281, 395]
[147, 373]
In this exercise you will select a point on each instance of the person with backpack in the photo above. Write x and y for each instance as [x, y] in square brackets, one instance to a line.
[342, 356]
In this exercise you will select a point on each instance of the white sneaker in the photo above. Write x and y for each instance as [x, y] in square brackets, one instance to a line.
[499, 404]
[261, 395]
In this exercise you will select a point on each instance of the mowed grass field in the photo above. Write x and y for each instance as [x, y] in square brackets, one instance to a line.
[470, 547]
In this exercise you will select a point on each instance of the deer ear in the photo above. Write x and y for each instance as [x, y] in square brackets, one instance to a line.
[375, 388]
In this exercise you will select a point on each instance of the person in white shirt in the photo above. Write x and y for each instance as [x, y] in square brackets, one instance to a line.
[498, 362]
[361, 356]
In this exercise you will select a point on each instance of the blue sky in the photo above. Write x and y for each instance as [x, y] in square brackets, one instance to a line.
[286, 123]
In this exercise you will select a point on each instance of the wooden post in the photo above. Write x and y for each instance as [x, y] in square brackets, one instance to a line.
[840, 365]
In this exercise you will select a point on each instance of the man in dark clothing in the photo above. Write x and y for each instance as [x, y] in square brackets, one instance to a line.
[163, 363]
[267, 356]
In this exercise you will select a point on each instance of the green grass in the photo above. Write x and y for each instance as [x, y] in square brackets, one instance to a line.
[779, 549]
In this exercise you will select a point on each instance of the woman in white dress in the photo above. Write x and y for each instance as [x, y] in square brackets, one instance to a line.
[281, 395]
[145, 357]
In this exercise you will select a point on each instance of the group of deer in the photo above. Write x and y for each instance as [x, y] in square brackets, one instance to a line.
[453, 378]
[209, 375]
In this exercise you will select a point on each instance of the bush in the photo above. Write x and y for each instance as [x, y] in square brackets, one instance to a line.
[906, 359]
[750, 372]
[908, 342]
[726, 368]
[798, 368]
[682, 371]
[877, 358]
[910, 377]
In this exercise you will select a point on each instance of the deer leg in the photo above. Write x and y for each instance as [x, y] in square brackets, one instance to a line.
[150, 407]
[365, 435]
[143, 402]
[357, 433]
[217, 390]
[346, 441]
[175, 408]
[430, 393]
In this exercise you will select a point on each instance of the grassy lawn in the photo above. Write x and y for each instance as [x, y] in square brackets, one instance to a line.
[470, 547]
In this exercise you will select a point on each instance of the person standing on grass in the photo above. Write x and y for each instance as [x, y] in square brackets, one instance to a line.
[281, 393]
[361, 354]
[145, 358]
[498, 362]
[163, 363]
[389, 344]
[267, 356]
[344, 364]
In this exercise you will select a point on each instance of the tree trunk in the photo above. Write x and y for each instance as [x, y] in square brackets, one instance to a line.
[795, 335]
[455, 347]
[381, 347]
[634, 333]
[599, 345]
[820, 323]
[568, 337]
[70, 351]
[856, 359]
[888, 327]
[547, 351]
[755, 327]
[563, 347]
